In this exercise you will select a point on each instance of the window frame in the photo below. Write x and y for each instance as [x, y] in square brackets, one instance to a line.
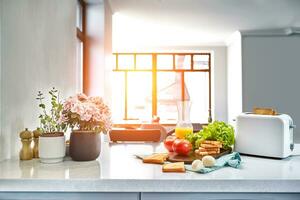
[82, 36]
[155, 70]
[81, 33]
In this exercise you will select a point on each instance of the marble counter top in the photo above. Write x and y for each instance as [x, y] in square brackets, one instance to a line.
[117, 170]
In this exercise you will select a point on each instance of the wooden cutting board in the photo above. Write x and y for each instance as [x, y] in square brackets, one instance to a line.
[173, 157]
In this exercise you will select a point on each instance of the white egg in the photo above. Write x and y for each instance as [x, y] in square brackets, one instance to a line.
[208, 161]
[197, 165]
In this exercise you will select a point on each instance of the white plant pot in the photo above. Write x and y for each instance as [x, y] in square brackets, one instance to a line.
[52, 149]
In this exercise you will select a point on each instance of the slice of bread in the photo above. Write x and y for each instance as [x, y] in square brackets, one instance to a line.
[212, 143]
[210, 146]
[156, 158]
[201, 149]
[212, 152]
[173, 167]
[205, 153]
[264, 111]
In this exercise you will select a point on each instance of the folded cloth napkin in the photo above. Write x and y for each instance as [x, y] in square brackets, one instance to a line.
[231, 160]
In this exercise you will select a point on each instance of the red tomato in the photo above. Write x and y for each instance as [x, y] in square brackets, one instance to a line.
[169, 142]
[182, 147]
[175, 143]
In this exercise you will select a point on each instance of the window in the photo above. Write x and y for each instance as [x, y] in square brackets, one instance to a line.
[150, 84]
[80, 44]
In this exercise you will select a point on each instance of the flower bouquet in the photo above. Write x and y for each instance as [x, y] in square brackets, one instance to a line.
[87, 117]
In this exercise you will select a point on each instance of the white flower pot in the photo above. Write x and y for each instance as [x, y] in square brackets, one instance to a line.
[52, 148]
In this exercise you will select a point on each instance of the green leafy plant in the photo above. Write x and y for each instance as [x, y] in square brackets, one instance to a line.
[219, 131]
[50, 120]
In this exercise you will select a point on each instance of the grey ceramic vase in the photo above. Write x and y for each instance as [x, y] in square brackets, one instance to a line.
[85, 145]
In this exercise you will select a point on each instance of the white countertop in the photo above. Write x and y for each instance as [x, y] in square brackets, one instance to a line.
[117, 170]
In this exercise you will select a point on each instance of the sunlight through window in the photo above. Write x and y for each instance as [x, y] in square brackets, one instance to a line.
[151, 84]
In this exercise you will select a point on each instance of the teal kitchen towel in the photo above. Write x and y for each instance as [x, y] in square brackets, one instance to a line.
[231, 160]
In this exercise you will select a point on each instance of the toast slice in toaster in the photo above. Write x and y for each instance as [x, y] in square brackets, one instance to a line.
[264, 111]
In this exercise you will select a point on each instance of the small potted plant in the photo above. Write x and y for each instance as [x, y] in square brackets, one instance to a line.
[87, 117]
[52, 147]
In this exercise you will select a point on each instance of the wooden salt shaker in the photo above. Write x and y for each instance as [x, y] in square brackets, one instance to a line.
[26, 151]
[36, 135]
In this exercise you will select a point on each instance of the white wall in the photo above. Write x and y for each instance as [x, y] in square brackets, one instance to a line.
[1, 138]
[271, 69]
[234, 77]
[38, 51]
[219, 75]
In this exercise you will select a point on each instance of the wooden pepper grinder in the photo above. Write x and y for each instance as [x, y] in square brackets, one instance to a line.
[26, 151]
[36, 135]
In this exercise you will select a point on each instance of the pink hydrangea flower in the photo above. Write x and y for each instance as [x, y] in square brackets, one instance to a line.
[78, 108]
[87, 113]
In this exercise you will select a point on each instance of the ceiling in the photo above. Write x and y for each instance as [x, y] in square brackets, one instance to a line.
[197, 22]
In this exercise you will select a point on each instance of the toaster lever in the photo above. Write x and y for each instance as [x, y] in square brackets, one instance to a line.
[292, 146]
[292, 126]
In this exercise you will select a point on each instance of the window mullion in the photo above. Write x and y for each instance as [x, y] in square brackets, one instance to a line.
[192, 62]
[117, 62]
[134, 58]
[126, 96]
[174, 63]
[209, 89]
[154, 85]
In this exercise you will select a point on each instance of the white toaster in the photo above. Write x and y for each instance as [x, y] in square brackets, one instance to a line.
[264, 135]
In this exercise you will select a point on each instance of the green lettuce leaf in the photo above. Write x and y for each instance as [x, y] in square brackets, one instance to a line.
[219, 131]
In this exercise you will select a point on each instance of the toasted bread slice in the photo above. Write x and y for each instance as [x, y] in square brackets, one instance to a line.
[202, 149]
[207, 152]
[212, 152]
[173, 167]
[214, 143]
[264, 111]
[203, 153]
[157, 158]
[210, 146]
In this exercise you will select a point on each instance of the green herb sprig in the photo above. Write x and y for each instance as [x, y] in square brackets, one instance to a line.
[49, 120]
